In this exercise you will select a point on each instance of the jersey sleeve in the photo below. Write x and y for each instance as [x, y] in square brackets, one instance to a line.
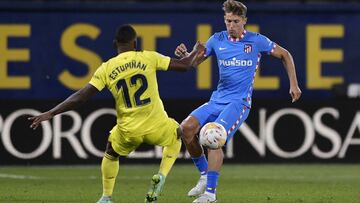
[264, 44]
[98, 80]
[162, 62]
[210, 46]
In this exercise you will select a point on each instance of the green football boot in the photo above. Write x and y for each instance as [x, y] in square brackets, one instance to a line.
[156, 187]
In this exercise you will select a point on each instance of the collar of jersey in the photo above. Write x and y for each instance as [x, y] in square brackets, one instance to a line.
[237, 39]
[126, 53]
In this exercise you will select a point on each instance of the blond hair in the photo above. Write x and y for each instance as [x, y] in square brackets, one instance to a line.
[235, 7]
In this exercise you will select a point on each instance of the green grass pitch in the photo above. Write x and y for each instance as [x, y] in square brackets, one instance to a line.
[238, 183]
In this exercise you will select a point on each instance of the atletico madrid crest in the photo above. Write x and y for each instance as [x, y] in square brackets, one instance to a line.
[247, 48]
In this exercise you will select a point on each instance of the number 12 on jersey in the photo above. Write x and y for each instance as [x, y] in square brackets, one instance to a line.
[123, 87]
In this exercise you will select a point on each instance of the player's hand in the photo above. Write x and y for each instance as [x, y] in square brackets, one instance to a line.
[36, 120]
[199, 47]
[295, 93]
[181, 51]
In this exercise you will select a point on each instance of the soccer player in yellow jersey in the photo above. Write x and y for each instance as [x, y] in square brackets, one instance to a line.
[131, 78]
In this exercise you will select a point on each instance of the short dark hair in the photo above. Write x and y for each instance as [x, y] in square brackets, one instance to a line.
[125, 34]
[235, 7]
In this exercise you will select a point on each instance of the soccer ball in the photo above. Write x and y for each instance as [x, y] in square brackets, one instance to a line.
[213, 135]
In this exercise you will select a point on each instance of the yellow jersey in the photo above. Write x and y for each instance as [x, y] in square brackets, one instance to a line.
[131, 79]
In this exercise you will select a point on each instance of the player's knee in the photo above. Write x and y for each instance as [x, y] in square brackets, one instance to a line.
[110, 152]
[189, 130]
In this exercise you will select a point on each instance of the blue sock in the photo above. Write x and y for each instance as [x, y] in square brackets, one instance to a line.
[212, 179]
[201, 163]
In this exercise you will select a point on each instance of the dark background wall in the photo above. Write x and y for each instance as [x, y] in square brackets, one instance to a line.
[49, 49]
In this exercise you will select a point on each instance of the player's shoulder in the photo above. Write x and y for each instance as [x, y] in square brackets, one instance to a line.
[151, 54]
[220, 36]
[148, 53]
[106, 63]
[254, 36]
[110, 60]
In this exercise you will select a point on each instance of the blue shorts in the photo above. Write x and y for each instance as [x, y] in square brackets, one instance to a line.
[230, 115]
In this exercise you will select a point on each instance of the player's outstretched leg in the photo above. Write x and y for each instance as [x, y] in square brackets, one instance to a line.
[170, 154]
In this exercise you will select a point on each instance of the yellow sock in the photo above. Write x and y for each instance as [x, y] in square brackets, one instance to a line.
[109, 169]
[170, 154]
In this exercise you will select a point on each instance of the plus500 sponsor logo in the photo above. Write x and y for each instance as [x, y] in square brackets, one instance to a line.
[235, 62]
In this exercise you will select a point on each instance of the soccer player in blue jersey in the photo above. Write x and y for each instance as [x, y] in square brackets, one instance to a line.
[238, 54]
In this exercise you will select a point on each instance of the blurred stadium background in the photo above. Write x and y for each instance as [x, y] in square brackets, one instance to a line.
[49, 49]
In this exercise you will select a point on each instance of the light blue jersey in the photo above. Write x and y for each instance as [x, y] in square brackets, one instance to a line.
[237, 60]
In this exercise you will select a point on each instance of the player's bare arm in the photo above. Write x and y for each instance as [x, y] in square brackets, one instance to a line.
[287, 59]
[190, 60]
[72, 102]
[181, 52]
